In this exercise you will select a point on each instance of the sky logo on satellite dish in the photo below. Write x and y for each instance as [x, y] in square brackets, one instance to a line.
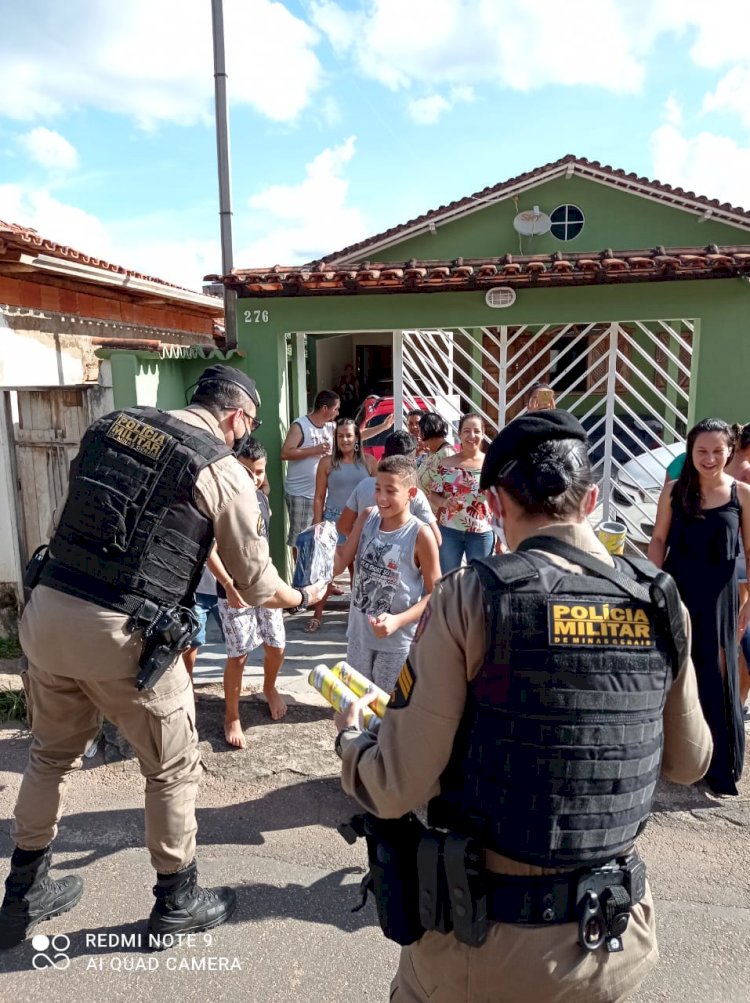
[532, 222]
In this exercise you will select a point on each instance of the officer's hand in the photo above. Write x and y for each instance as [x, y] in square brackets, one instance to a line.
[234, 599]
[353, 716]
[317, 591]
[384, 625]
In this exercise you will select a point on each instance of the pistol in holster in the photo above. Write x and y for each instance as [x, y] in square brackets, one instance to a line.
[165, 635]
[392, 874]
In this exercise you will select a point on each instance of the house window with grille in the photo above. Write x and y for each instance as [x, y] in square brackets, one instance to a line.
[567, 222]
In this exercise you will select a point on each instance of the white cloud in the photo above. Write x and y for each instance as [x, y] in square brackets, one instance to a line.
[179, 258]
[515, 44]
[307, 220]
[732, 94]
[715, 166]
[523, 46]
[153, 61]
[49, 149]
[427, 110]
[672, 110]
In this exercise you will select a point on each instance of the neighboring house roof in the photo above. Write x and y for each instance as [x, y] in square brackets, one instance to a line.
[473, 274]
[567, 166]
[22, 248]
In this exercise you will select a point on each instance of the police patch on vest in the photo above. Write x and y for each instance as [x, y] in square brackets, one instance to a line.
[135, 434]
[605, 624]
[402, 691]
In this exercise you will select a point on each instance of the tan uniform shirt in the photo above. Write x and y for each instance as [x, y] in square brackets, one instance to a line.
[400, 769]
[224, 494]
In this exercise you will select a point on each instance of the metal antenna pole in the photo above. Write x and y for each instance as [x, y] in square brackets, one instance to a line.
[225, 184]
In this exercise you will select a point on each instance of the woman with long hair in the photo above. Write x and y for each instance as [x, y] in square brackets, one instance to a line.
[461, 508]
[696, 539]
[337, 476]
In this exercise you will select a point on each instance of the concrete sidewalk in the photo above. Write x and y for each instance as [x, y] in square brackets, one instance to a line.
[303, 652]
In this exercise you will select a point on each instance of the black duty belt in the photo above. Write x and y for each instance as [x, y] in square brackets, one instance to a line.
[544, 899]
[75, 583]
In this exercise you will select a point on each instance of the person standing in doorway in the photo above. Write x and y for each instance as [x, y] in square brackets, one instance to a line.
[348, 390]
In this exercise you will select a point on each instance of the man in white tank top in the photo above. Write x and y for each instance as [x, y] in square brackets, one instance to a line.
[309, 438]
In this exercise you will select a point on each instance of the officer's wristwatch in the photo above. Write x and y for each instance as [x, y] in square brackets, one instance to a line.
[305, 600]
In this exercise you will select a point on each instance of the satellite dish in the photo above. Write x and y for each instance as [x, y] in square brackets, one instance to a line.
[531, 222]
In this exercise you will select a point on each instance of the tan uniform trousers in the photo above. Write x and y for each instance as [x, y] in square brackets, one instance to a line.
[518, 964]
[75, 677]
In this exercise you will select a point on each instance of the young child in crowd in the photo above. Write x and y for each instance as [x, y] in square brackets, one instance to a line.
[206, 605]
[247, 627]
[396, 568]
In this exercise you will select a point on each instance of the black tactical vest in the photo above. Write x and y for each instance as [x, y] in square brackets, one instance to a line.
[560, 746]
[130, 527]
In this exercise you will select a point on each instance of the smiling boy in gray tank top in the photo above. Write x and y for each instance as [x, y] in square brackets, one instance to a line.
[396, 567]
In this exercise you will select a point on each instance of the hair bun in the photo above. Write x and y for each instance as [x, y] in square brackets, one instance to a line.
[552, 478]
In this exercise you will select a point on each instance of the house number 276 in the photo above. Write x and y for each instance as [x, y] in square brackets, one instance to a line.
[256, 316]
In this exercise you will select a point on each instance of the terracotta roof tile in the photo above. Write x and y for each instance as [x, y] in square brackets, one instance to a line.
[12, 233]
[677, 196]
[657, 264]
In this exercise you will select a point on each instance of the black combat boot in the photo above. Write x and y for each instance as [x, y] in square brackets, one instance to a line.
[182, 906]
[31, 895]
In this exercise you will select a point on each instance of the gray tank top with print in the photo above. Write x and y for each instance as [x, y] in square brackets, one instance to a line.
[387, 580]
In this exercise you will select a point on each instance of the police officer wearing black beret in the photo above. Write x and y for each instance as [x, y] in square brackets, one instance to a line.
[545, 692]
[150, 492]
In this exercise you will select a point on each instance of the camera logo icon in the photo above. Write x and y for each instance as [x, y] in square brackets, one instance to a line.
[51, 952]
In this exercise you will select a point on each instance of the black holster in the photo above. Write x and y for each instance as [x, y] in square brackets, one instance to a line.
[164, 637]
[35, 567]
[392, 876]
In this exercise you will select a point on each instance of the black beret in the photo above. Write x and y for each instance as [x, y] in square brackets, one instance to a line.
[228, 374]
[525, 433]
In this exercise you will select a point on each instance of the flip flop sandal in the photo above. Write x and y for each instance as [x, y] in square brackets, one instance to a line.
[313, 626]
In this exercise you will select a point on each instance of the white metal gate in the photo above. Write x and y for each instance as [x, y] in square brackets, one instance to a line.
[627, 382]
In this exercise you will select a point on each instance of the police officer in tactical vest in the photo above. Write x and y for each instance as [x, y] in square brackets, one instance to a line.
[545, 692]
[149, 493]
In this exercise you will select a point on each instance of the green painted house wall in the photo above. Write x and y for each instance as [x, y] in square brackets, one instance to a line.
[721, 309]
[613, 218]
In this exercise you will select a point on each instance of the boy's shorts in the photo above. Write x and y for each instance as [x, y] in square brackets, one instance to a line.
[247, 628]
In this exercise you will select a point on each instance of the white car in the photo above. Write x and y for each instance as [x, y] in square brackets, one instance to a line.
[636, 488]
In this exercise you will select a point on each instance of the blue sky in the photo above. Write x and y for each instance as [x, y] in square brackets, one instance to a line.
[347, 116]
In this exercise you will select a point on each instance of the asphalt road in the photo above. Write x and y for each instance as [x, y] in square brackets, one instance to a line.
[267, 818]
